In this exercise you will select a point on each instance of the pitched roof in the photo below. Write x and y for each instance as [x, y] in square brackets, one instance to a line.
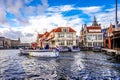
[46, 34]
[59, 29]
[40, 35]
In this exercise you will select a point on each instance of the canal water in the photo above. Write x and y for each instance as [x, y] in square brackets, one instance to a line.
[84, 65]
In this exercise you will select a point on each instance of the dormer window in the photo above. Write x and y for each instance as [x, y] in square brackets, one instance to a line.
[65, 30]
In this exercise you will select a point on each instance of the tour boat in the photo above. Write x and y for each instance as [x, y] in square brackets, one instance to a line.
[40, 53]
[45, 54]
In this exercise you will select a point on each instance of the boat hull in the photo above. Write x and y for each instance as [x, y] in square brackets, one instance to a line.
[44, 54]
[39, 53]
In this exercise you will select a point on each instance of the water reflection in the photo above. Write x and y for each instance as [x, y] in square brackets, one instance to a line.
[71, 66]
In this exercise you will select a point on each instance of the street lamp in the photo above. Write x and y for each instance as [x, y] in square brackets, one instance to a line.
[116, 21]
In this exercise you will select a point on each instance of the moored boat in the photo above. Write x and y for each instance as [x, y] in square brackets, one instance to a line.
[40, 53]
[45, 54]
[74, 49]
[97, 49]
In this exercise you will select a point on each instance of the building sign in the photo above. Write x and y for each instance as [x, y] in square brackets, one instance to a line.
[95, 30]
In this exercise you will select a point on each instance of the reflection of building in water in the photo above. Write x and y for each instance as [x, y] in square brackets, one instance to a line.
[92, 35]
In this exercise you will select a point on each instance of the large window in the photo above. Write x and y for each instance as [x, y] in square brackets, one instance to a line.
[94, 37]
[100, 43]
[99, 37]
[60, 35]
[61, 43]
[69, 42]
[89, 44]
[95, 44]
[69, 35]
[89, 37]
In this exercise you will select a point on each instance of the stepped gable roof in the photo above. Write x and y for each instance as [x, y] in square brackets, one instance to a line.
[53, 30]
[40, 35]
[59, 29]
[46, 34]
[93, 28]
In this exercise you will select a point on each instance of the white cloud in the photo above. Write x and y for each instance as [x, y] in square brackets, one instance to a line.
[2, 16]
[28, 33]
[91, 9]
[106, 17]
[40, 23]
[62, 8]
[19, 9]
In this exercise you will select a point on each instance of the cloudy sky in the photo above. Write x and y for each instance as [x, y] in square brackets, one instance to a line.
[26, 18]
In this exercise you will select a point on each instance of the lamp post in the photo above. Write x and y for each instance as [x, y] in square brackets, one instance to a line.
[116, 21]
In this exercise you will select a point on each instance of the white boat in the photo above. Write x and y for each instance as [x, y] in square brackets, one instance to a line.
[45, 54]
[63, 49]
[74, 49]
[36, 50]
[40, 53]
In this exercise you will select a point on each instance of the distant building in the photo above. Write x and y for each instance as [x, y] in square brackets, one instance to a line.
[7, 43]
[2, 42]
[15, 43]
[92, 35]
[24, 45]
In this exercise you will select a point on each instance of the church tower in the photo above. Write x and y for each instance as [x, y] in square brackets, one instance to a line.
[95, 22]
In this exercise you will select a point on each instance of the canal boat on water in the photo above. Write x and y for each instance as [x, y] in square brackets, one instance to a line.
[74, 49]
[97, 49]
[63, 49]
[40, 53]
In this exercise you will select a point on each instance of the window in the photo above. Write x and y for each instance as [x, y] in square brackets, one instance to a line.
[61, 43]
[95, 44]
[99, 37]
[69, 35]
[89, 44]
[60, 35]
[65, 30]
[70, 42]
[89, 37]
[100, 43]
[94, 37]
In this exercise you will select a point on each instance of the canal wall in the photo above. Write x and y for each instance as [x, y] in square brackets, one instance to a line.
[112, 52]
